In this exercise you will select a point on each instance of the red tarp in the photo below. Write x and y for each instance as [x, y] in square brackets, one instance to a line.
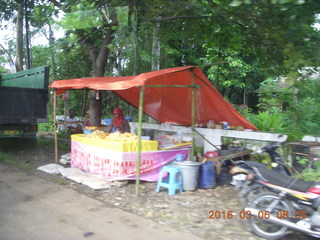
[166, 104]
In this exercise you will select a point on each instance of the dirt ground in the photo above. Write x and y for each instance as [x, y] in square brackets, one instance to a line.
[189, 210]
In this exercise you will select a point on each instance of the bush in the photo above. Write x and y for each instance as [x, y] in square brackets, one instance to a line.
[269, 121]
[312, 171]
[45, 127]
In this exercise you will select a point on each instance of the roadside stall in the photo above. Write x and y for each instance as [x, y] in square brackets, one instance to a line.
[114, 157]
[181, 95]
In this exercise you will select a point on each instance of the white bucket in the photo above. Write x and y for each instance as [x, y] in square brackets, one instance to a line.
[190, 174]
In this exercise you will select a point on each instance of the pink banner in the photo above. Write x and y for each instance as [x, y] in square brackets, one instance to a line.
[115, 165]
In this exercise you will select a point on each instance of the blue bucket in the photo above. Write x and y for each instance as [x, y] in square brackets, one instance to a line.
[108, 121]
[179, 157]
[129, 119]
[207, 175]
[85, 131]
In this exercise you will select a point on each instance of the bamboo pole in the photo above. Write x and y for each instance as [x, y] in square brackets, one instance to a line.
[55, 127]
[176, 86]
[138, 163]
[193, 110]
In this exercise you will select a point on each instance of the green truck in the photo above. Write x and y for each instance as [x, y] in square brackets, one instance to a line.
[23, 102]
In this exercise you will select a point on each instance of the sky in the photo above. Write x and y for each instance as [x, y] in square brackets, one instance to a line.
[40, 39]
[8, 34]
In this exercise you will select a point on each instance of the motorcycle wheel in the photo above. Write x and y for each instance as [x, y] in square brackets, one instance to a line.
[259, 225]
[249, 193]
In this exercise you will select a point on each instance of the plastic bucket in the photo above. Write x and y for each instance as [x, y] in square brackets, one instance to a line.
[129, 119]
[179, 157]
[190, 174]
[85, 131]
[108, 121]
[224, 179]
[212, 154]
[207, 175]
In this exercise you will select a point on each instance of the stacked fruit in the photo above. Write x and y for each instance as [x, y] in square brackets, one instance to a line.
[97, 134]
[117, 136]
[122, 136]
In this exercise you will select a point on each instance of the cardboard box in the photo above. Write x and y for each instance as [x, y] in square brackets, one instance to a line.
[216, 162]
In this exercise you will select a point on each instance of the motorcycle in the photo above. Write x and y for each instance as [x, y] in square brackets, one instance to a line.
[275, 201]
[241, 169]
[287, 203]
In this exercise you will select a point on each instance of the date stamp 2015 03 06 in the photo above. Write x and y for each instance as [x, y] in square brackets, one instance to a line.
[261, 214]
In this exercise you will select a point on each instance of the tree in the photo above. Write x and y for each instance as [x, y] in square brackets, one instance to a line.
[43, 22]
[239, 45]
[14, 10]
[93, 24]
[19, 48]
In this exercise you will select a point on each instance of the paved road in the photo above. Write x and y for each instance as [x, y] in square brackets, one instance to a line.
[33, 208]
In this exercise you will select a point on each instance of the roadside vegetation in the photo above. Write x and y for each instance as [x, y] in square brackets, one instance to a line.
[262, 56]
[12, 160]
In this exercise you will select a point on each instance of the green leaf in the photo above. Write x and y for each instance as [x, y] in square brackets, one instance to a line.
[235, 3]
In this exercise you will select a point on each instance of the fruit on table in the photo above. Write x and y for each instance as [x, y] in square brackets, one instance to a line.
[98, 134]
[117, 136]
[94, 127]
[122, 136]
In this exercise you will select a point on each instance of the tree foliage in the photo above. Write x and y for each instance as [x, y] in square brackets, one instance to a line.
[237, 43]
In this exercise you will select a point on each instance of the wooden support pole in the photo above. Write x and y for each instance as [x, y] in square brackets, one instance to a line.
[193, 114]
[55, 127]
[138, 163]
[174, 86]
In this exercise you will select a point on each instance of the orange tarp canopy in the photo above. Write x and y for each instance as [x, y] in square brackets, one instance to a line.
[166, 104]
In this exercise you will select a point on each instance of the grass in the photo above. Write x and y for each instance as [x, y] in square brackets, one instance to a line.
[61, 181]
[8, 159]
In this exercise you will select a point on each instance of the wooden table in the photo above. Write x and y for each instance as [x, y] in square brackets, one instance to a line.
[233, 156]
[241, 155]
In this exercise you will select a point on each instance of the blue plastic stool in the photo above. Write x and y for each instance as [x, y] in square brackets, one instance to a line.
[172, 182]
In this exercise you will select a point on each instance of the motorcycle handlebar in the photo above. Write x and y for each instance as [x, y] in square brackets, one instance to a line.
[257, 152]
[268, 147]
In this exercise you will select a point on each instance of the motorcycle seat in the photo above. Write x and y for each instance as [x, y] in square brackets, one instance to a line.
[283, 180]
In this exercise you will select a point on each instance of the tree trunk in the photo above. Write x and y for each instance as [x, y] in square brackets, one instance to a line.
[19, 43]
[84, 102]
[99, 60]
[52, 50]
[95, 108]
[155, 65]
[135, 48]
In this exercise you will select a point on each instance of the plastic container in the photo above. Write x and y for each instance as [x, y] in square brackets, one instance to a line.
[226, 125]
[212, 154]
[85, 131]
[224, 179]
[129, 119]
[190, 174]
[145, 137]
[207, 175]
[179, 157]
[108, 121]
[148, 132]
